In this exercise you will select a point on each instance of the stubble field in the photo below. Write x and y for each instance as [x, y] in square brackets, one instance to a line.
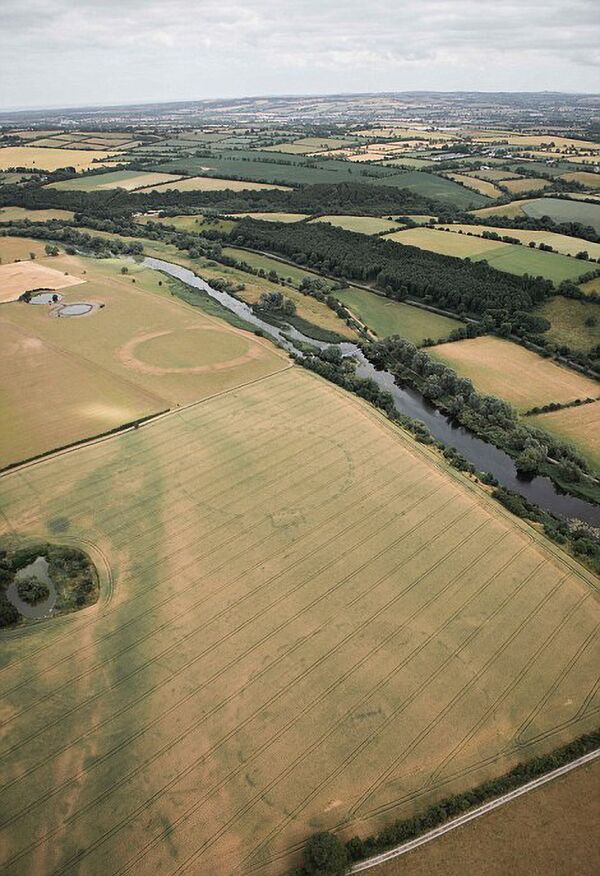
[306, 623]
[505, 369]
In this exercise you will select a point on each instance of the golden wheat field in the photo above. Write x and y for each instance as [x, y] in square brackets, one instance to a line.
[306, 622]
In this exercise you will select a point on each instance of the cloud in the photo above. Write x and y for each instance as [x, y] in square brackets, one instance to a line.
[145, 49]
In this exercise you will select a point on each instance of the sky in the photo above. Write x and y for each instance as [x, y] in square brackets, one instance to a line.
[88, 52]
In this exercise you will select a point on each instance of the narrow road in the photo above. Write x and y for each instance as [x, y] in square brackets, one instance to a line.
[473, 813]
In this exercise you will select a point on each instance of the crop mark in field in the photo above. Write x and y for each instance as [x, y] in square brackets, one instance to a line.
[244, 765]
[251, 594]
[369, 792]
[519, 734]
[319, 699]
[127, 354]
[349, 758]
[436, 775]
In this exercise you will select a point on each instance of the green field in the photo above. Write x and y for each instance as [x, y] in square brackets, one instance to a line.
[385, 317]
[568, 323]
[123, 179]
[563, 210]
[524, 260]
[431, 186]
[513, 258]
[306, 622]
[261, 167]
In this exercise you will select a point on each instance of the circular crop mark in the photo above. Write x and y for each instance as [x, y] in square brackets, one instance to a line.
[192, 350]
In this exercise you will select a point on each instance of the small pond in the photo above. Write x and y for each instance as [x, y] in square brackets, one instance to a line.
[45, 298]
[75, 309]
[38, 569]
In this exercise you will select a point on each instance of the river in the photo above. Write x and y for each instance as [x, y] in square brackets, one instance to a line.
[485, 457]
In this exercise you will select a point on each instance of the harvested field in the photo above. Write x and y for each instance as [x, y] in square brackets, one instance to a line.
[492, 175]
[18, 214]
[148, 351]
[562, 243]
[483, 186]
[50, 159]
[14, 249]
[507, 370]
[579, 426]
[211, 184]
[591, 287]
[272, 217]
[117, 179]
[446, 243]
[568, 318]
[551, 830]
[386, 317]
[361, 224]
[20, 277]
[376, 636]
[522, 186]
[515, 208]
[589, 180]
[51, 398]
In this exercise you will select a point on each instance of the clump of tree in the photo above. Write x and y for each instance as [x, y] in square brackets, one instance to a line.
[276, 303]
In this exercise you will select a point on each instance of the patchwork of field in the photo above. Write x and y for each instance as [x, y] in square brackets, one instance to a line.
[121, 179]
[431, 186]
[513, 258]
[306, 623]
[385, 317]
[570, 320]
[579, 426]
[562, 243]
[143, 352]
[19, 277]
[18, 214]
[211, 184]
[502, 368]
[361, 224]
[551, 829]
[483, 186]
[51, 159]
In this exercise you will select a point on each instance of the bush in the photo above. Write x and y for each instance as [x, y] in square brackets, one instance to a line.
[325, 855]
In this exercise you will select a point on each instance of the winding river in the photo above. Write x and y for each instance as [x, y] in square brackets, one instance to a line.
[484, 456]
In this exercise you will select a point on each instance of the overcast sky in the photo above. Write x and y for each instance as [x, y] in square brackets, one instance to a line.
[76, 52]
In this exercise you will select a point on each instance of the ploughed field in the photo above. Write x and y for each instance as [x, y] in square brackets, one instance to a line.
[306, 622]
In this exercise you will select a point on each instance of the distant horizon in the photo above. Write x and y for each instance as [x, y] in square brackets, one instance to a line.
[291, 95]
